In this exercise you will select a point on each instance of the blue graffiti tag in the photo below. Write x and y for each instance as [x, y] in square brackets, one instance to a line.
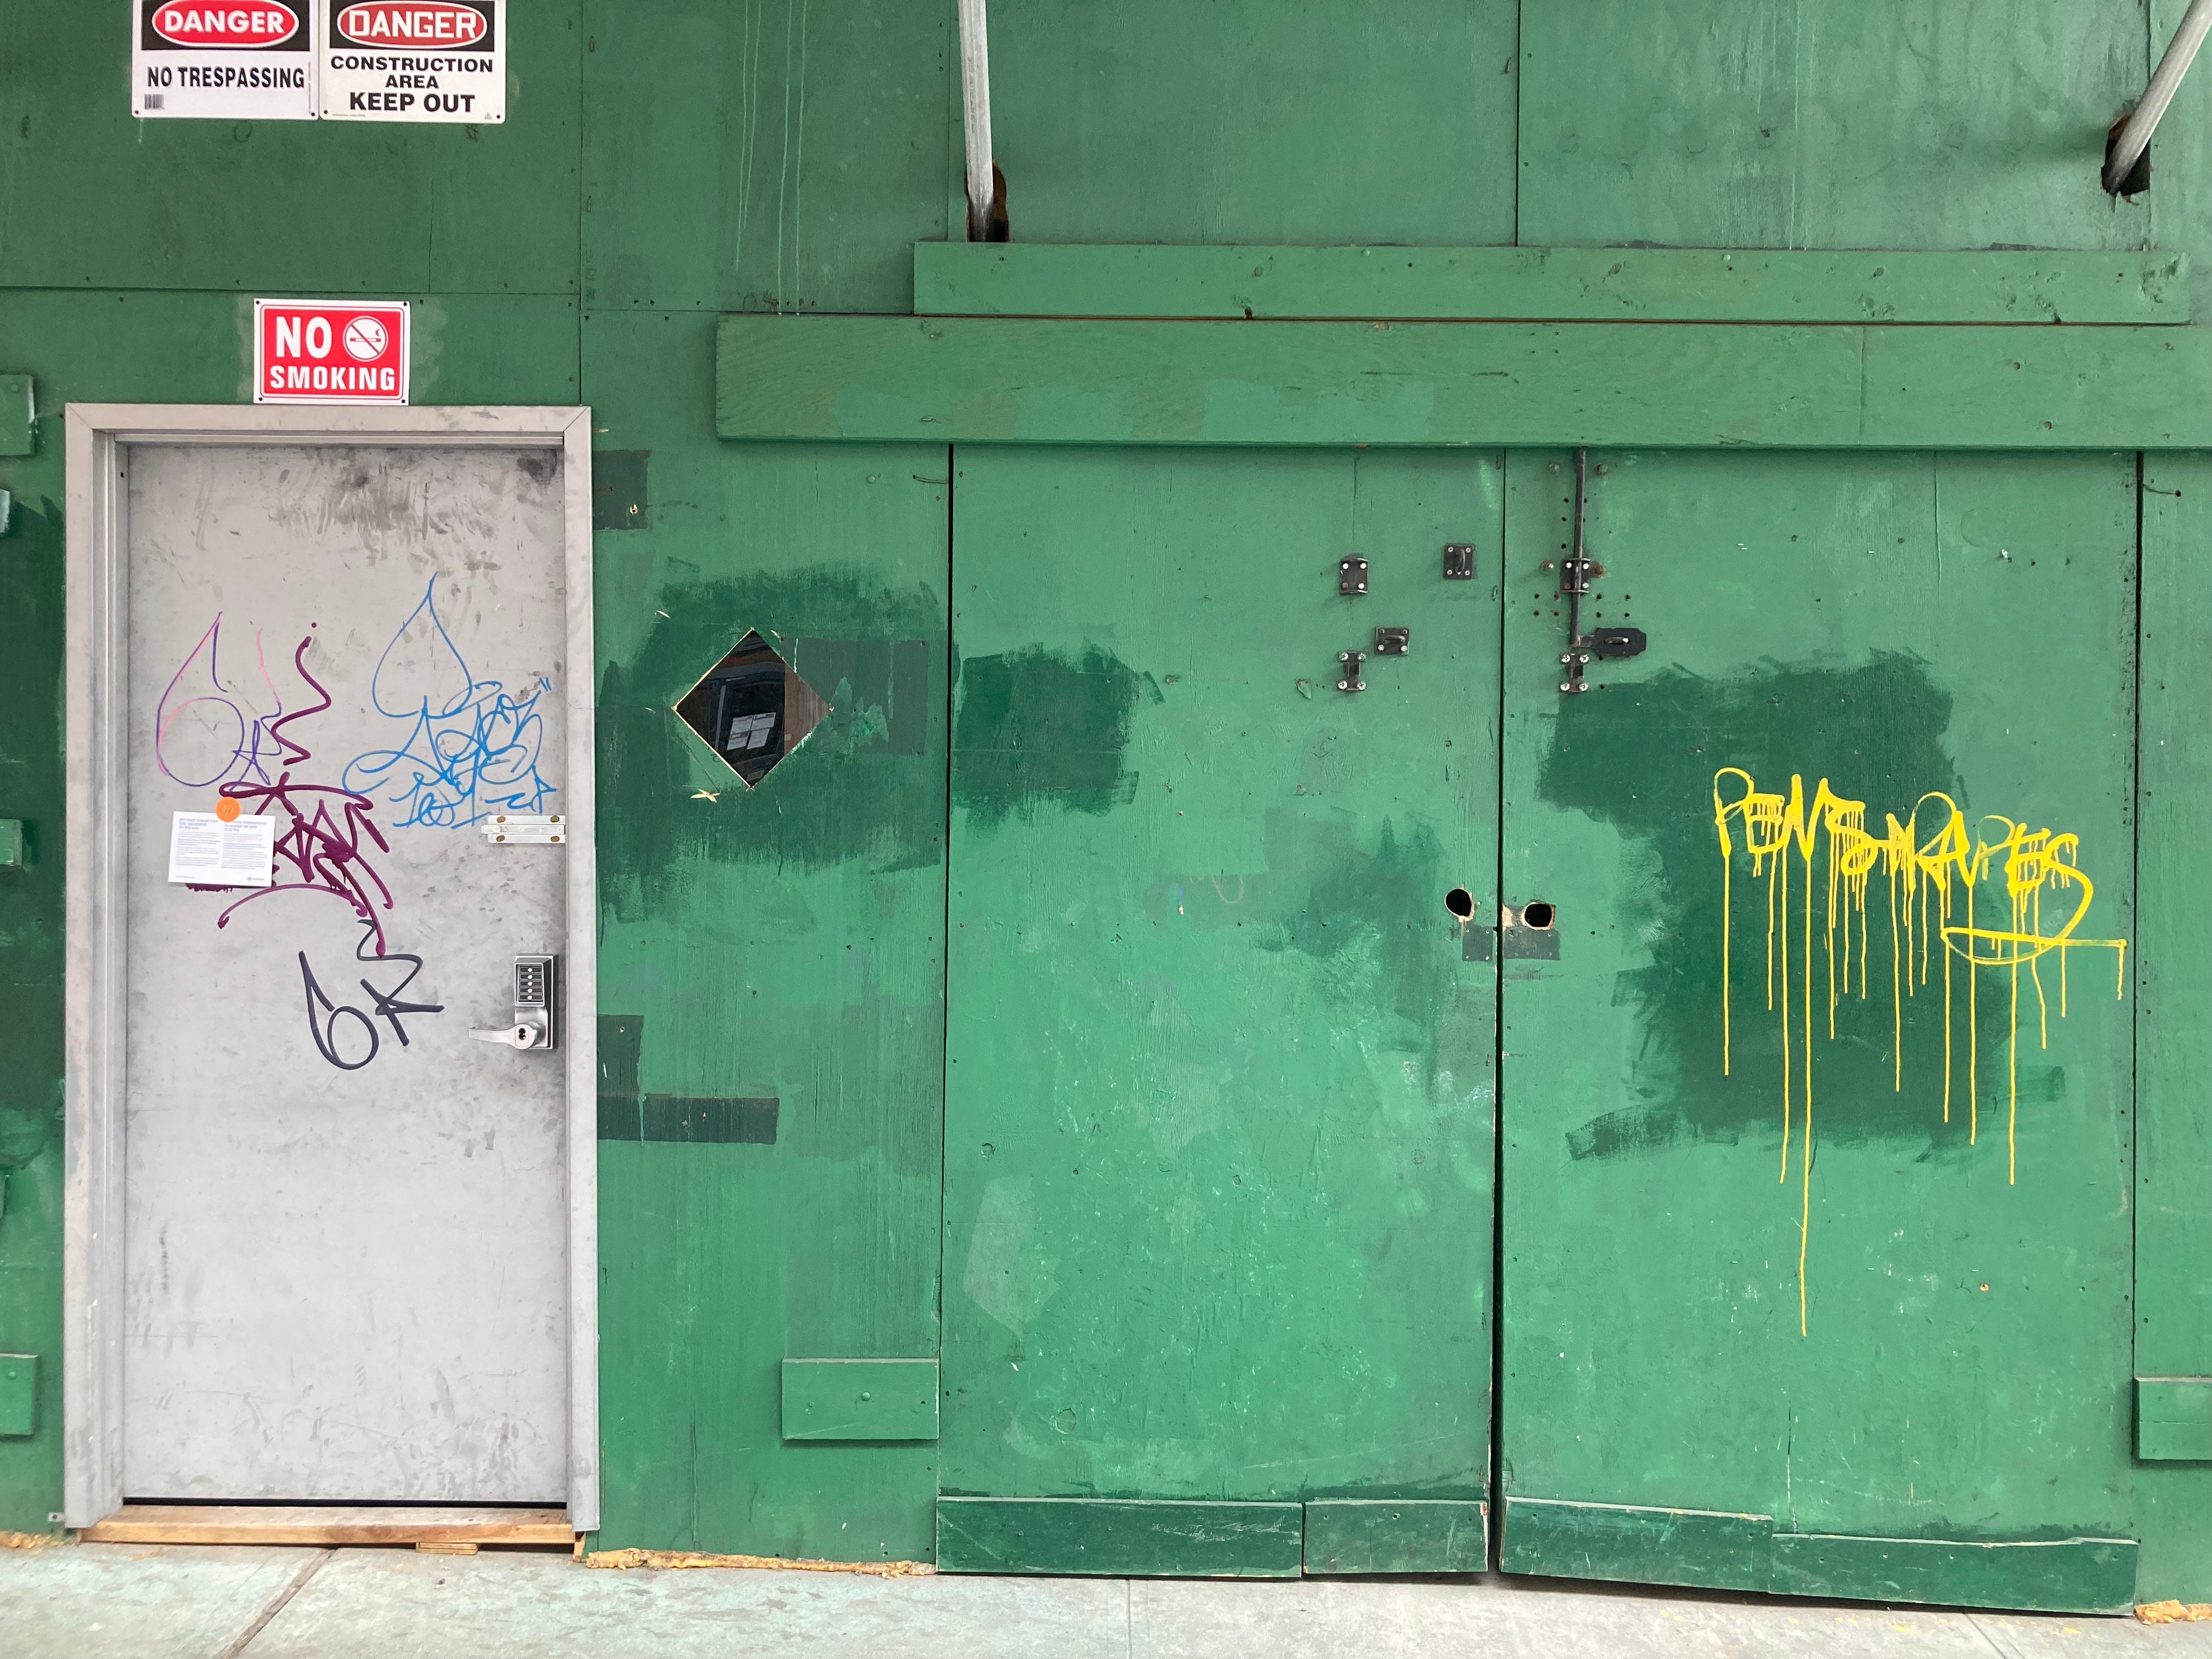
[471, 750]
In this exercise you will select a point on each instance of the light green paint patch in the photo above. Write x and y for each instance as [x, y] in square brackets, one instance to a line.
[1651, 285]
[860, 1400]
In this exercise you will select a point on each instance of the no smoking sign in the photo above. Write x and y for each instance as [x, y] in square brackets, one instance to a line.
[313, 351]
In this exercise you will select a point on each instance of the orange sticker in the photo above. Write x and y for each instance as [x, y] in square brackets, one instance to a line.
[227, 810]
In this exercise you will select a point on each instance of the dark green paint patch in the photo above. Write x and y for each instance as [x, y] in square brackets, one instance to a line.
[1637, 1129]
[1037, 727]
[1642, 757]
[31, 787]
[619, 501]
[709, 1120]
[844, 796]
[622, 1039]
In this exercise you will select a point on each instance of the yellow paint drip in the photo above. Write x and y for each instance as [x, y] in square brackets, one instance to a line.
[1935, 858]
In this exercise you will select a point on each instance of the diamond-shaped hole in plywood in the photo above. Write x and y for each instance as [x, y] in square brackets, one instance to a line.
[752, 708]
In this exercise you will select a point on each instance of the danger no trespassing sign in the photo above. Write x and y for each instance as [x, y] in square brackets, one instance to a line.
[343, 60]
[235, 60]
[314, 351]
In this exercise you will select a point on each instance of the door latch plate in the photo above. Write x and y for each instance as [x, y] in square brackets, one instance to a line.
[1355, 662]
[1392, 642]
[1459, 562]
[1351, 575]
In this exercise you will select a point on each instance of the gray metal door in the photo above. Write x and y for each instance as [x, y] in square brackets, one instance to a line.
[346, 1218]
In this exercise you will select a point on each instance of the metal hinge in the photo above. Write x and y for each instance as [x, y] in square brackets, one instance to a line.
[1575, 571]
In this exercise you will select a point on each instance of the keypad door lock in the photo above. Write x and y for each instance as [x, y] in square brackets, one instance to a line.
[536, 1007]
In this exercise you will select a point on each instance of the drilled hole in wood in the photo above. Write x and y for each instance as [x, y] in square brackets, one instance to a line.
[1460, 903]
[1538, 915]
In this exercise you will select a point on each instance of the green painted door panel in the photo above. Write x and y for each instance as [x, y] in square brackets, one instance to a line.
[1915, 1326]
[773, 958]
[1219, 1151]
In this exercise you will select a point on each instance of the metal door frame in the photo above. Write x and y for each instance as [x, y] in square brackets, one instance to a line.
[96, 678]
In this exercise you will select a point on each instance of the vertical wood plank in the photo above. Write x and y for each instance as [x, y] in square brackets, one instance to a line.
[2174, 1115]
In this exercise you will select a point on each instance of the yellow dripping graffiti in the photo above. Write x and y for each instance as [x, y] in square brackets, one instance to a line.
[1931, 866]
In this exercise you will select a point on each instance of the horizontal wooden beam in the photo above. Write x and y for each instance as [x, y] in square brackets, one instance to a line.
[1564, 284]
[1685, 385]
[329, 1527]
[1717, 1551]
[1121, 1537]
[1348, 1536]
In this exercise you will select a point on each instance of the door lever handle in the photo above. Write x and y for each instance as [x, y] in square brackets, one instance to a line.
[536, 1007]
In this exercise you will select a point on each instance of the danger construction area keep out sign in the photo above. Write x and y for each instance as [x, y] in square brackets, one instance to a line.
[315, 351]
[335, 60]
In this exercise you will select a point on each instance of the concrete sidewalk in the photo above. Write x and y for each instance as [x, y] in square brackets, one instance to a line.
[153, 1601]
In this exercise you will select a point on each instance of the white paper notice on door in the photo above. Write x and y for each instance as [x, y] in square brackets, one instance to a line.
[205, 852]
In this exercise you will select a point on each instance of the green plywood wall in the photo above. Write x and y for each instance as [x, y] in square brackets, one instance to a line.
[93, 198]
[1884, 123]
[666, 159]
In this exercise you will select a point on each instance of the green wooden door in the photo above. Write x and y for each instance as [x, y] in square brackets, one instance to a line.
[1816, 1161]
[1219, 1147]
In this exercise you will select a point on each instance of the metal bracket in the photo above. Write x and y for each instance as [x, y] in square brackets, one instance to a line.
[1392, 642]
[1459, 562]
[1575, 571]
[1351, 575]
[1353, 662]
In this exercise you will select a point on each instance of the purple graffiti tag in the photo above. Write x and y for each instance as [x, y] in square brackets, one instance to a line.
[325, 849]
[250, 737]
[326, 844]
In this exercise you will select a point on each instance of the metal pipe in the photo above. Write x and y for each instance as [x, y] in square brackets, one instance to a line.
[2164, 82]
[976, 112]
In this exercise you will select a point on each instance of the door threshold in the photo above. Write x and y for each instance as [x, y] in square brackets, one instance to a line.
[329, 1525]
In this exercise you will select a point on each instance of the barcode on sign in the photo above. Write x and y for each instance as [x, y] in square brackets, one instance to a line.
[153, 101]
